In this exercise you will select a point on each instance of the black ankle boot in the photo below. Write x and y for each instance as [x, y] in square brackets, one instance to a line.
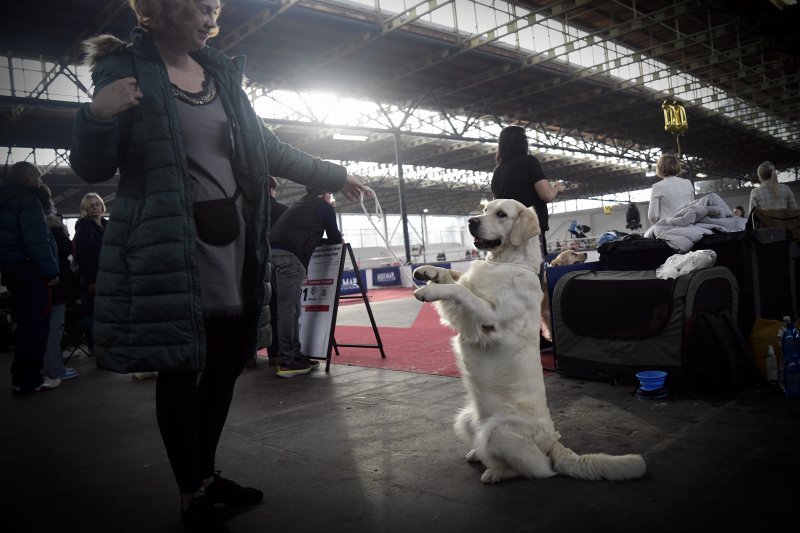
[201, 517]
[224, 493]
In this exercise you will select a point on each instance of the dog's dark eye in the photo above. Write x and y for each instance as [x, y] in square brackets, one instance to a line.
[501, 214]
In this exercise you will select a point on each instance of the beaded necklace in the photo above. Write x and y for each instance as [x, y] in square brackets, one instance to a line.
[205, 96]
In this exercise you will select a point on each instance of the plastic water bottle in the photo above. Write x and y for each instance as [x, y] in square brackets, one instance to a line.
[772, 366]
[790, 345]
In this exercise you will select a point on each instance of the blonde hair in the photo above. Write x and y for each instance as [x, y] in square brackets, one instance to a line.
[166, 15]
[85, 203]
[668, 165]
[768, 174]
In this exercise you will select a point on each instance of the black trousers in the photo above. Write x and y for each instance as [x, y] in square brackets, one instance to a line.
[191, 412]
[30, 308]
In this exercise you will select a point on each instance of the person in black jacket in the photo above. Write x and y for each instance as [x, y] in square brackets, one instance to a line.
[28, 268]
[88, 241]
[295, 236]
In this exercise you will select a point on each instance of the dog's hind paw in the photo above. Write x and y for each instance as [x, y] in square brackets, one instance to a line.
[472, 456]
[495, 476]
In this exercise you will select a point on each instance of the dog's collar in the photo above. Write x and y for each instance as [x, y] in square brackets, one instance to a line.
[513, 265]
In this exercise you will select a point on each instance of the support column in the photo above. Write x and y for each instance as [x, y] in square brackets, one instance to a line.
[401, 196]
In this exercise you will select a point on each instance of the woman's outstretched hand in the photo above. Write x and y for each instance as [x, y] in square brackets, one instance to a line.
[353, 188]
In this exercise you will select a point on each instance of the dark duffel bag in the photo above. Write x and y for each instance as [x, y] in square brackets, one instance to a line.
[634, 252]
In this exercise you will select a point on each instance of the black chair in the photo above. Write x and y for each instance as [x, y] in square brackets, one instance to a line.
[78, 322]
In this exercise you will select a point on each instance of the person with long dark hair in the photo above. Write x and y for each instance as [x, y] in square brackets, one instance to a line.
[519, 176]
[28, 269]
[184, 271]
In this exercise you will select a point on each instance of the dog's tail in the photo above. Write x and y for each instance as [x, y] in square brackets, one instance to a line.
[595, 466]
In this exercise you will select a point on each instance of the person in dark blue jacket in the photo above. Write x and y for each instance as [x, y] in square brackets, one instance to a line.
[294, 237]
[28, 268]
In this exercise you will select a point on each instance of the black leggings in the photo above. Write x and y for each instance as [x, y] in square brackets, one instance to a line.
[192, 412]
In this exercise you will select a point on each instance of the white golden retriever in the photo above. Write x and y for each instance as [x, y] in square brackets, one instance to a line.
[495, 308]
[568, 257]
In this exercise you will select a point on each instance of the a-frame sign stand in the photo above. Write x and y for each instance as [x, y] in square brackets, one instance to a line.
[332, 344]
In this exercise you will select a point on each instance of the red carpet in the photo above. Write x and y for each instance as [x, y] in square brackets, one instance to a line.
[424, 348]
[405, 348]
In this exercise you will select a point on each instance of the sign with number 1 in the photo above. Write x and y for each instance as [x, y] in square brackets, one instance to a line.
[318, 299]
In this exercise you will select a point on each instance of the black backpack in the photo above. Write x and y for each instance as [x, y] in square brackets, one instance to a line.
[715, 356]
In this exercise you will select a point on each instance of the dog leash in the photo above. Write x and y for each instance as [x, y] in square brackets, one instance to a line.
[379, 215]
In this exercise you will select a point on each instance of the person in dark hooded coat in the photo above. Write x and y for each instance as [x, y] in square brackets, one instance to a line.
[28, 268]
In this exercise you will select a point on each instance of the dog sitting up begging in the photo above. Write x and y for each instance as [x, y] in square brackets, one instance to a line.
[495, 308]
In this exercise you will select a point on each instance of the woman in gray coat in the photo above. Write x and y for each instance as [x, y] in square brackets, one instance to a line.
[183, 280]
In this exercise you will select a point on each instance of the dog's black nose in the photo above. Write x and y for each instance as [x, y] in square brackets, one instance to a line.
[473, 222]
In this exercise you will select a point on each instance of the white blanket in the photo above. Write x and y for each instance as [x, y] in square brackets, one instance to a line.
[703, 216]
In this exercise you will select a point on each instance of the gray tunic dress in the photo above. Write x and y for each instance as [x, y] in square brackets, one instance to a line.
[208, 145]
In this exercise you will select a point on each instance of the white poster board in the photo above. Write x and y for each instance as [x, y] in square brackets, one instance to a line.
[318, 299]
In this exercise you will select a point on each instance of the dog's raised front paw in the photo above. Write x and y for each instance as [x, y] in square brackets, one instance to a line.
[426, 293]
[427, 273]
[472, 456]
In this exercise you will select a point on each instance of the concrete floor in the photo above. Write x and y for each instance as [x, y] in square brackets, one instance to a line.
[371, 450]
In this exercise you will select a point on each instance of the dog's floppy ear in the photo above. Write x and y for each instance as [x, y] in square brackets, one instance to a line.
[558, 260]
[526, 225]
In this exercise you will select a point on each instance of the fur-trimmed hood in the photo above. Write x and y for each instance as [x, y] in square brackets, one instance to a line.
[101, 46]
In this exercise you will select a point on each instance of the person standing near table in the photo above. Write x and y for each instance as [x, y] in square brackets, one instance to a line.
[519, 176]
[183, 283]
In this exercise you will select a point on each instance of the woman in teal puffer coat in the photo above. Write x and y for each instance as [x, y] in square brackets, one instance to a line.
[183, 280]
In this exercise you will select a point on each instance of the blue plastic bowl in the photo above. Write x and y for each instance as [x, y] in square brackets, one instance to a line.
[651, 379]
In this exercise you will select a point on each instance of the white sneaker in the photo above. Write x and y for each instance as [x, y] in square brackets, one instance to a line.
[48, 384]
